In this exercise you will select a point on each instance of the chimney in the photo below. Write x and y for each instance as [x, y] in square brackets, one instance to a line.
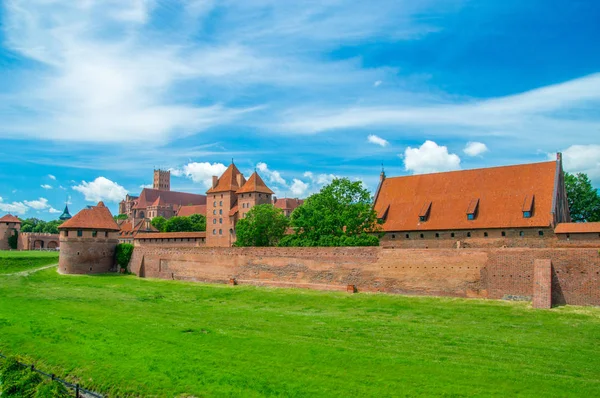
[559, 156]
[215, 181]
[239, 180]
[274, 199]
[382, 176]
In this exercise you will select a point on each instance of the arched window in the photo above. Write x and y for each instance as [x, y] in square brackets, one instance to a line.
[215, 212]
[214, 220]
[214, 231]
[221, 203]
[220, 211]
[220, 232]
[220, 221]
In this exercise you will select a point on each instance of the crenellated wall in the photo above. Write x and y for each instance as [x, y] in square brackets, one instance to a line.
[87, 254]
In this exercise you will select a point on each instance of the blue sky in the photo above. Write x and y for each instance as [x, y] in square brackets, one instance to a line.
[96, 93]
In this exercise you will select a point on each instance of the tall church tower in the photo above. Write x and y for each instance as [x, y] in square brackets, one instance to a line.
[162, 180]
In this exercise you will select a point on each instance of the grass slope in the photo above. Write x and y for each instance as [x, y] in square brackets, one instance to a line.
[13, 261]
[127, 336]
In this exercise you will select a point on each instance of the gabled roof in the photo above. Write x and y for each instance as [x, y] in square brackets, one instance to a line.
[186, 211]
[577, 228]
[149, 196]
[93, 217]
[497, 194]
[9, 218]
[255, 184]
[159, 202]
[228, 180]
[128, 229]
[287, 203]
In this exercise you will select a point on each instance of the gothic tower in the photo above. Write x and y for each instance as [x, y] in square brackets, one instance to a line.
[162, 180]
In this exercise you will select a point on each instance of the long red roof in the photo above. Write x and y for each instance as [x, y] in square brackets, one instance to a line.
[187, 211]
[149, 197]
[9, 218]
[93, 217]
[577, 228]
[498, 195]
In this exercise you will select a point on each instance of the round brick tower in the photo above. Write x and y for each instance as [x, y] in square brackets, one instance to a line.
[9, 224]
[88, 242]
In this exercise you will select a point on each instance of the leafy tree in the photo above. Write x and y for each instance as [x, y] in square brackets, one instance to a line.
[159, 223]
[120, 217]
[263, 225]
[40, 226]
[583, 199]
[198, 222]
[51, 227]
[13, 240]
[123, 254]
[179, 224]
[341, 214]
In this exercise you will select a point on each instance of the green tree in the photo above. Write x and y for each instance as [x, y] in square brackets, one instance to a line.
[341, 214]
[13, 240]
[123, 254]
[51, 227]
[263, 225]
[159, 223]
[583, 198]
[198, 222]
[120, 217]
[179, 224]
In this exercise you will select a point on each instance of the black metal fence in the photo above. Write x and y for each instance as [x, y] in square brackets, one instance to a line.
[79, 391]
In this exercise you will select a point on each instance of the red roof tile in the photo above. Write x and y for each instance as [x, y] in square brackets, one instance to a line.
[186, 211]
[287, 203]
[229, 180]
[172, 235]
[9, 218]
[255, 184]
[577, 228]
[93, 217]
[148, 197]
[233, 211]
[498, 194]
[127, 228]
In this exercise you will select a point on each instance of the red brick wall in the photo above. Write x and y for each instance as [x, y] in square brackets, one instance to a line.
[495, 273]
[542, 284]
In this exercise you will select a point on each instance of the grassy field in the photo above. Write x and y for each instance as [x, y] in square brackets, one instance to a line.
[125, 336]
[14, 261]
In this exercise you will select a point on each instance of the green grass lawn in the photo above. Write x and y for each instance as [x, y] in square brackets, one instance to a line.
[122, 336]
[14, 261]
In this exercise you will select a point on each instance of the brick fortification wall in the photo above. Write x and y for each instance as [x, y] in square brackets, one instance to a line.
[495, 273]
[87, 255]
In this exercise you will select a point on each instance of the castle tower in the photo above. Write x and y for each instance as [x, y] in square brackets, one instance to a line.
[65, 215]
[88, 242]
[162, 180]
[221, 207]
[9, 225]
[254, 192]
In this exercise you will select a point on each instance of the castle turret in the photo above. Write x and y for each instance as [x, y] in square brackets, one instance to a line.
[162, 180]
[65, 215]
[88, 241]
[9, 225]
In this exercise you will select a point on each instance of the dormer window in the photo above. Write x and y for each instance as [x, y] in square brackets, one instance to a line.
[473, 209]
[528, 204]
[424, 213]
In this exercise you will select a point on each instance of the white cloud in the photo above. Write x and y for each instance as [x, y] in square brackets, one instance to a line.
[200, 172]
[373, 139]
[324, 179]
[52, 210]
[146, 186]
[46, 186]
[14, 207]
[63, 188]
[101, 189]
[582, 159]
[50, 176]
[475, 148]
[40, 204]
[298, 187]
[377, 83]
[272, 175]
[430, 158]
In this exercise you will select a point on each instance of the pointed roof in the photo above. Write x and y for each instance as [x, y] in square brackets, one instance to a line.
[65, 215]
[9, 218]
[255, 184]
[228, 180]
[159, 201]
[497, 193]
[93, 217]
[149, 196]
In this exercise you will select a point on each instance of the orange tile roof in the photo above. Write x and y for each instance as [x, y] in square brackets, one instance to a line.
[172, 235]
[233, 210]
[228, 180]
[186, 211]
[9, 218]
[498, 194]
[93, 217]
[149, 197]
[577, 228]
[127, 228]
[255, 184]
[287, 203]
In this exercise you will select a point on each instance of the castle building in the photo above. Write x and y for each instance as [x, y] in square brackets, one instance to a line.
[9, 225]
[88, 241]
[229, 199]
[287, 205]
[158, 201]
[128, 231]
[522, 201]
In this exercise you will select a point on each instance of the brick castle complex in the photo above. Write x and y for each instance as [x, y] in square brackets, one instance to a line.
[501, 232]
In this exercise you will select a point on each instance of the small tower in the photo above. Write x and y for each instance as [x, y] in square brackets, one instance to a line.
[222, 207]
[65, 215]
[254, 192]
[162, 180]
[88, 242]
[9, 225]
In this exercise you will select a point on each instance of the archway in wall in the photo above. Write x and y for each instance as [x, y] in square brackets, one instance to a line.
[38, 244]
[52, 245]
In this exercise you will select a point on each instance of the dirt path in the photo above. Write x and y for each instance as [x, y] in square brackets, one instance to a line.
[30, 271]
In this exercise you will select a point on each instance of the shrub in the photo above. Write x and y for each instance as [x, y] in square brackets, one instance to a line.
[52, 389]
[17, 380]
[13, 240]
[123, 254]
